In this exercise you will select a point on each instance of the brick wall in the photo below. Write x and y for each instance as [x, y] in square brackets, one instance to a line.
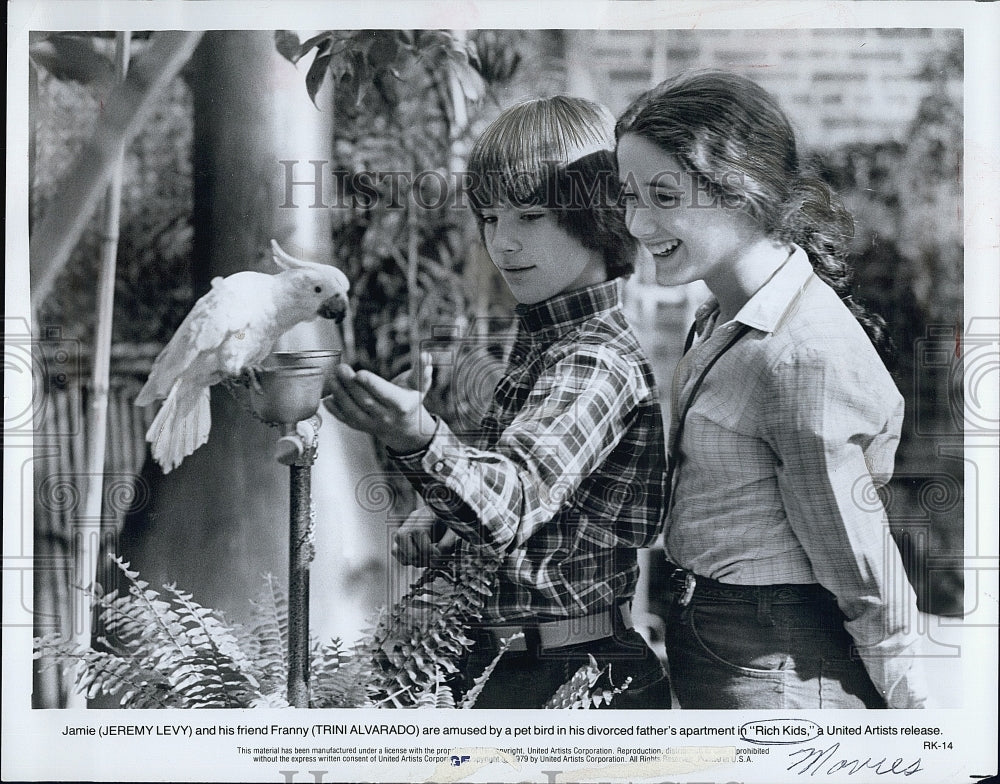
[837, 85]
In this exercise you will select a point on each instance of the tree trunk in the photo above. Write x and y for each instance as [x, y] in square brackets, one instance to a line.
[219, 522]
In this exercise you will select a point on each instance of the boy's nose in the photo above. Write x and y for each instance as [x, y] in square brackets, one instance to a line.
[507, 242]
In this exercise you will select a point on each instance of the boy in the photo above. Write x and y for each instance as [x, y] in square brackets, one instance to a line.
[565, 478]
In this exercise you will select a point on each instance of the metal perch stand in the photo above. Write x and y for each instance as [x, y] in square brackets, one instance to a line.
[291, 385]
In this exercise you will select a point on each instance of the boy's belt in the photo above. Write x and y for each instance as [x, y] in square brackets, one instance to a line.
[559, 634]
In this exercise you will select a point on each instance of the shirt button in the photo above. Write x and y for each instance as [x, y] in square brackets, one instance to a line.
[439, 465]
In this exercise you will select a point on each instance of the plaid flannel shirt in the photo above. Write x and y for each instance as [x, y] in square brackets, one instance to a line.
[566, 477]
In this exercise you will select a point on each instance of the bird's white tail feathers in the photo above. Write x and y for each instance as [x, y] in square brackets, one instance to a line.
[180, 426]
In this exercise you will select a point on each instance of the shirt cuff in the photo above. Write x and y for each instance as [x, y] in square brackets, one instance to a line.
[413, 457]
[898, 675]
[431, 466]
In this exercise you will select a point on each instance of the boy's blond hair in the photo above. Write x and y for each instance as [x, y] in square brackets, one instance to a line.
[557, 153]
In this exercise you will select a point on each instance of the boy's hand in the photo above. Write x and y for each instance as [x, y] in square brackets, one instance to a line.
[393, 414]
[408, 378]
[413, 543]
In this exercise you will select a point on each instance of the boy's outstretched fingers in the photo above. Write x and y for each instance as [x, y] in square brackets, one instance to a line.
[408, 378]
[367, 402]
[373, 393]
[342, 404]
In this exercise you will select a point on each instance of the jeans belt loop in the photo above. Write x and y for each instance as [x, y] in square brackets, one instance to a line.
[764, 595]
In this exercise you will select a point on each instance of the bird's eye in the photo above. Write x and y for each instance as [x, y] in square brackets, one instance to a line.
[318, 289]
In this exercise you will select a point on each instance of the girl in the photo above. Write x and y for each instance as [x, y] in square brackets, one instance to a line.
[782, 572]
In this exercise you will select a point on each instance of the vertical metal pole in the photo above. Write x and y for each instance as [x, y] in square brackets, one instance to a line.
[299, 557]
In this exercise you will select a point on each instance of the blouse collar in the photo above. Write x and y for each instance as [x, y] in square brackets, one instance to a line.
[769, 304]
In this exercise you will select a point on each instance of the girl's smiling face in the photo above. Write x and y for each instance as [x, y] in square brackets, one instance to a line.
[536, 256]
[692, 234]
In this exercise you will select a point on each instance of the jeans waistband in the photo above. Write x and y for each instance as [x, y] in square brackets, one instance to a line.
[684, 586]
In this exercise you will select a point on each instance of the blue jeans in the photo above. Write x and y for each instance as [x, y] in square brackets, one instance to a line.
[767, 646]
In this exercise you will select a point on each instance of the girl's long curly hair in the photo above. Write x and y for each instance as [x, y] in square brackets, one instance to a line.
[718, 124]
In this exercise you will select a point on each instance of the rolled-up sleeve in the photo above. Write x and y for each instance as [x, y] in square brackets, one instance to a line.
[833, 424]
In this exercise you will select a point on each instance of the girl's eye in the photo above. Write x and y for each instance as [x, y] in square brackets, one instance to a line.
[532, 216]
[489, 218]
[628, 197]
[667, 199]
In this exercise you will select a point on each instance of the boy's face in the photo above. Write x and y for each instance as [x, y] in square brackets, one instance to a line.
[538, 258]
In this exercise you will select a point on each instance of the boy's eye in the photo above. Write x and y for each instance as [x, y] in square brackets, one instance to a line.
[628, 197]
[532, 216]
[489, 218]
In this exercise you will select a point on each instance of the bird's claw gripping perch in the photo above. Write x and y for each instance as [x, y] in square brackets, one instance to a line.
[250, 377]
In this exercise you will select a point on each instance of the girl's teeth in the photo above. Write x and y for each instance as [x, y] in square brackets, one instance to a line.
[663, 249]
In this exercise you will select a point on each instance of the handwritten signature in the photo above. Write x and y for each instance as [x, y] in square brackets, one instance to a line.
[812, 761]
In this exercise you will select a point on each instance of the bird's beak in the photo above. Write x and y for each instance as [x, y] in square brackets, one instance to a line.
[333, 308]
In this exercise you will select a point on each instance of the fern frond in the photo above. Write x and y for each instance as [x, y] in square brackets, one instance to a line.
[102, 672]
[205, 630]
[444, 697]
[169, 651]
[469, 700]
[268, 638]
[144, 623]
[270, 700]
[338, 678]
[424, 632]
[590, 687]
[208, 680]
[162, 652]
[138, 687]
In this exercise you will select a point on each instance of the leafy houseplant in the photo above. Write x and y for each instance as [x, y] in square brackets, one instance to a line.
[168, 651]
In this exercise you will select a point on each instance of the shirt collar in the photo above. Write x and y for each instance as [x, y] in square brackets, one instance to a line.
[565, 310]
[766, 308]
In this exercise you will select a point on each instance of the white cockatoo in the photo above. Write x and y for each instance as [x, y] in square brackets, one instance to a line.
[230, 330]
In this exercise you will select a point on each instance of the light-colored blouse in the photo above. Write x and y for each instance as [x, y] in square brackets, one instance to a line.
[784, 446]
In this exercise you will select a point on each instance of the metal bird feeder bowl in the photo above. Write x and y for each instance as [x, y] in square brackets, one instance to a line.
[324, 358]
[287, 394]
[291, 386]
